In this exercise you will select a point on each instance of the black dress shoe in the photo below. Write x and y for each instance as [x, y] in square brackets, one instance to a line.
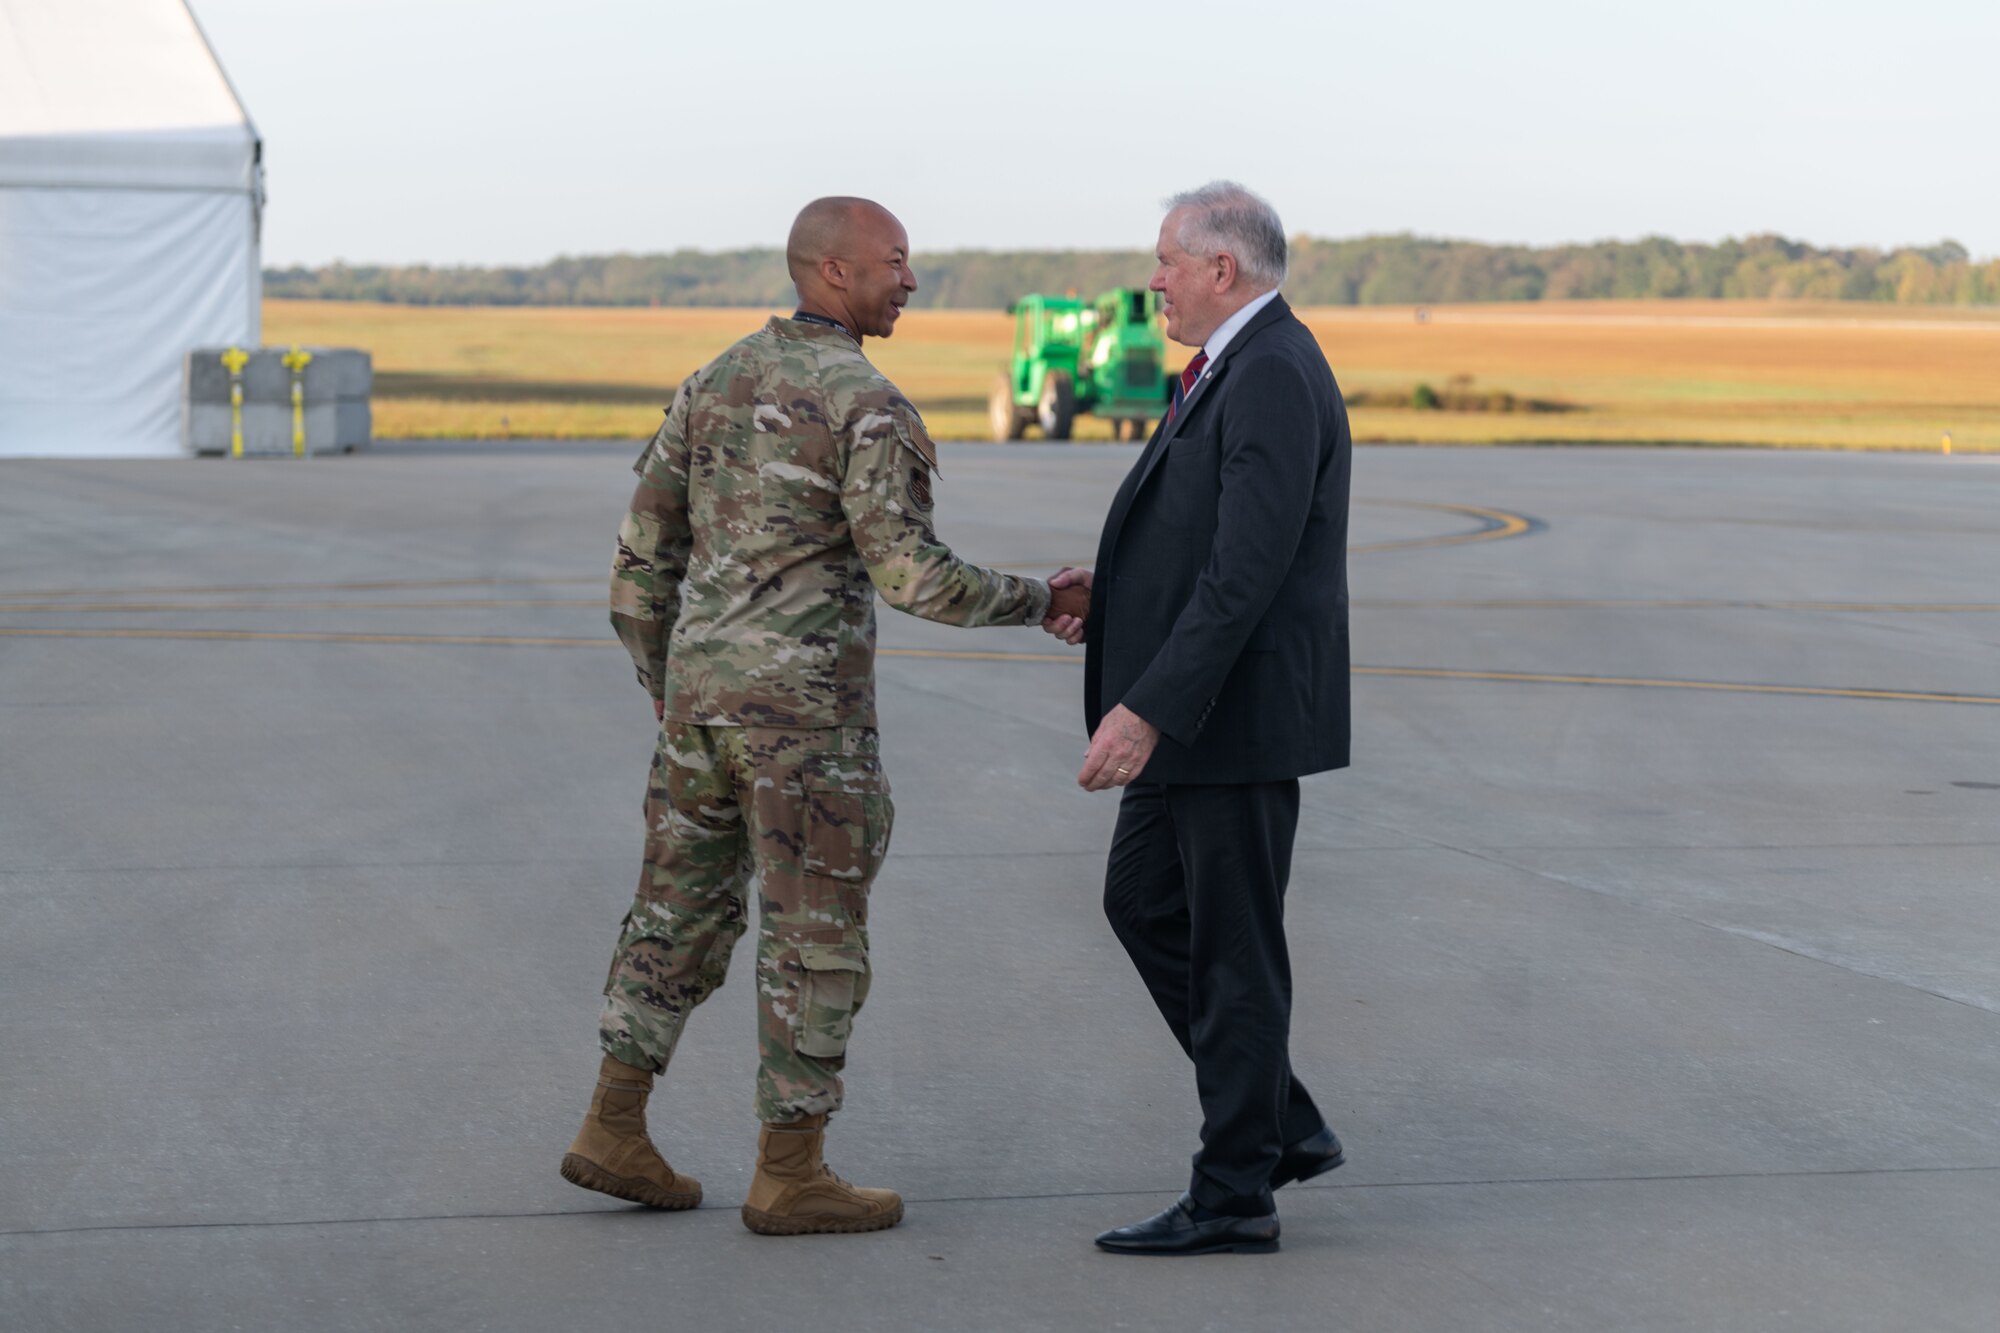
[1189, 1228]
[1314, 1155]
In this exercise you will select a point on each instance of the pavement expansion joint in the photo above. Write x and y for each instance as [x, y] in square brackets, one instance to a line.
[1491, 856]
[1797, 949]
[718, 1208]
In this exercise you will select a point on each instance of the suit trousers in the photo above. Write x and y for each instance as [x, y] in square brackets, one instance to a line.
[1195, 890]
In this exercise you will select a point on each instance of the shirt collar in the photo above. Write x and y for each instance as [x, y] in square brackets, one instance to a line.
[1232, 326]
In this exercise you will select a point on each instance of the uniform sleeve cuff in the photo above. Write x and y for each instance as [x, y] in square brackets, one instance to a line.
[1039, 596]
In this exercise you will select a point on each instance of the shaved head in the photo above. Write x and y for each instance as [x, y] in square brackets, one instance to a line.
[827, 229]
[850, 260]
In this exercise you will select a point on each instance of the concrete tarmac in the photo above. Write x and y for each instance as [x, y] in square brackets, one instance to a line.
[1647, 959]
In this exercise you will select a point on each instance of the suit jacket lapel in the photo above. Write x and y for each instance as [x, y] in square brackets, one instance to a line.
[1206, 378]
[1156, 448]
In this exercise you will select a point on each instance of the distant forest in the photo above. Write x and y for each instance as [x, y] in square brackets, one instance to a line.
[1370, 270]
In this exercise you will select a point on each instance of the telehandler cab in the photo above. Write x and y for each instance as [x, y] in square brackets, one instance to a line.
[1104, 357]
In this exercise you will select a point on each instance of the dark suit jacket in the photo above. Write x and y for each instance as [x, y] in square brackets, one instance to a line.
[1218, 609]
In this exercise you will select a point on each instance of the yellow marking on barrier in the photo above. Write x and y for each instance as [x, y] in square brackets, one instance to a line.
[233, 360]
[296, 361]
[1067, 659]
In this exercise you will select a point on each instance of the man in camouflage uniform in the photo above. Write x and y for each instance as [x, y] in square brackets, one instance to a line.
[789, 484]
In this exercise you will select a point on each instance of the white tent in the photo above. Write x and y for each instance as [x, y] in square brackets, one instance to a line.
[131, 190]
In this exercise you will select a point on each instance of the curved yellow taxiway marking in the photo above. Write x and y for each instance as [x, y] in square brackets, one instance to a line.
[1499, 525]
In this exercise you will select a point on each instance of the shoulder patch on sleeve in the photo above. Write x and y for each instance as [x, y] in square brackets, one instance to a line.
[918, 484]
[911, 427]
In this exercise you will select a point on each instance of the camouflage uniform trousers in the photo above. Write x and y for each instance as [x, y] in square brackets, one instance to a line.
[803, 817]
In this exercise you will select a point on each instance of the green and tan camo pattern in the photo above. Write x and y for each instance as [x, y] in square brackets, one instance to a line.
[789, 483]
[802, 817]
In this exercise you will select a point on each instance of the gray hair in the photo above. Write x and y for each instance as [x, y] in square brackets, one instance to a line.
[1223, 217]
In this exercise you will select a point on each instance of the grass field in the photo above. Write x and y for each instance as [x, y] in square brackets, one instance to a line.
[1790, 374]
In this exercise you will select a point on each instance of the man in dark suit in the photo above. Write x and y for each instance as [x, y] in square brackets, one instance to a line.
[1216, 677]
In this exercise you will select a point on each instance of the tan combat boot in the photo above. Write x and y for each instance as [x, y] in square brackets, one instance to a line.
[794, 1193]
[612, 1154]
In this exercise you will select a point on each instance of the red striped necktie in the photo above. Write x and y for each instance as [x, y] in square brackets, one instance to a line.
[1186, 386]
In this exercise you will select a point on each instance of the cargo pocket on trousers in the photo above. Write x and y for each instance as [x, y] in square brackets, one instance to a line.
[832, 987]
[848, 816]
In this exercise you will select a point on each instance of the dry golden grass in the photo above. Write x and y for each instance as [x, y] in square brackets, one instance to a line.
[1748, 373]
[1888, 377]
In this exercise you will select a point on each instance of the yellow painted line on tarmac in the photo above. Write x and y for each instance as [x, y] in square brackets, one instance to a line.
[374, 585]
[468, 604]
[475, 640]
[304, 636]
[1646, 683]
[1688, 604]
[1067, 659]
[1371, 603]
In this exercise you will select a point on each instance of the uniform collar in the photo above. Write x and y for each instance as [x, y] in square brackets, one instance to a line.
[816, 328]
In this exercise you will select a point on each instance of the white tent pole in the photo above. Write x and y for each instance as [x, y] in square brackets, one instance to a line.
[255, 324]
[256, 285]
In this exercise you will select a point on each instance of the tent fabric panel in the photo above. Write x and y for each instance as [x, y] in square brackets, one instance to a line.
[95, 66]
[102, 294]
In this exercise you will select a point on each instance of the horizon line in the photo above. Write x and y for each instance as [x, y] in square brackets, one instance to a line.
[1296, 239]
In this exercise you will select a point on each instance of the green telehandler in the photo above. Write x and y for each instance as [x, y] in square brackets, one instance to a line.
[1105, 357]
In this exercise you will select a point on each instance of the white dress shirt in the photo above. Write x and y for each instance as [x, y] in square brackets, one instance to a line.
[1232, 326]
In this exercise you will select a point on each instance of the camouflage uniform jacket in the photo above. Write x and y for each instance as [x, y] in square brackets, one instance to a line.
[789, 483]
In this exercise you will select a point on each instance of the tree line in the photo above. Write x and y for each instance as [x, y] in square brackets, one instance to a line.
[1369, 270]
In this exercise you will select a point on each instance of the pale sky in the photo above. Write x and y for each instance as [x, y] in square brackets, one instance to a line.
[508, 131]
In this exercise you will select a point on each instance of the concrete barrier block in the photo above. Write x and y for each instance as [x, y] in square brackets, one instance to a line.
[336, 386]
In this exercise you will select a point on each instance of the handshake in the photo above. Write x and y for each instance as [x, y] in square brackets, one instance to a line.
[1069, 605]
[1123, 741]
